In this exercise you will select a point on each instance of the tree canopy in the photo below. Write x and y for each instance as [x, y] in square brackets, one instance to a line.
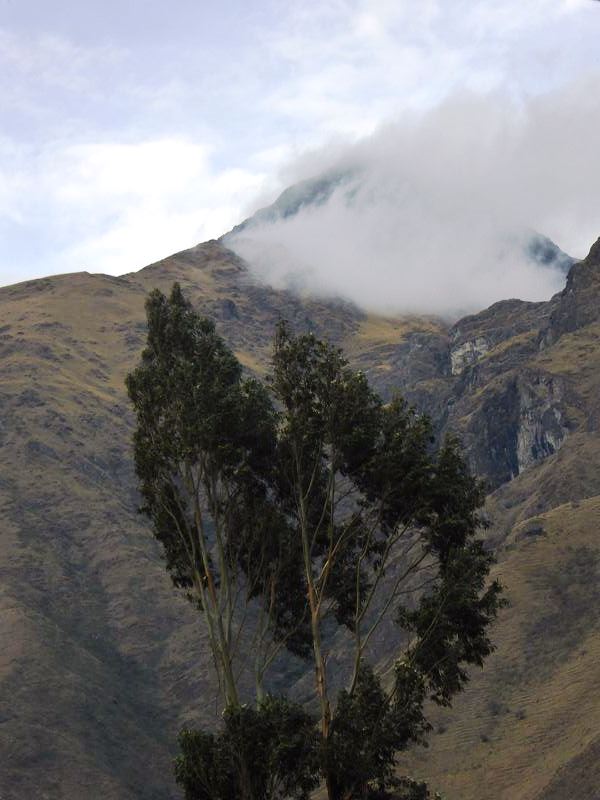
[305, 514]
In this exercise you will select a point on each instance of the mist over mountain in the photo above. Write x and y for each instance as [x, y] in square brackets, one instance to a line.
[442, 214]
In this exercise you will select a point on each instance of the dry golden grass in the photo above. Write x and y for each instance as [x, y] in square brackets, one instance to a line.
[101, 663]
[391, 330]
[509, 344]
[535, 706]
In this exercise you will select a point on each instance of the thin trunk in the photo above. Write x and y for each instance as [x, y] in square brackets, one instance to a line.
[315, 624]
[223, 566]
[231, 693]
[321, 684]
[259, 660]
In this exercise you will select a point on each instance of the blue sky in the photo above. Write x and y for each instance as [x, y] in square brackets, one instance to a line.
[130, 130]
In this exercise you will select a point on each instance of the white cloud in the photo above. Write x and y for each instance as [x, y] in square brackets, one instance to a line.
[114, 207]
[140, 169]
[347, 65]
[179, 119]
[33, 67]
[435, 220]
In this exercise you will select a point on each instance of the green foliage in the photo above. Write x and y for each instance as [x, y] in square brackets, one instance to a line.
[204, 448]
[408, 789]
[390, 531]
[370, 727]
[313, 501]
[263, 753]
[452, 620]
[195, 410]
[343, 459]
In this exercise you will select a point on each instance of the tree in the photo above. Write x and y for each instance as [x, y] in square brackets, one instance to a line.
[264, 752]
[204, 449]
[390, 533]
[331, 512]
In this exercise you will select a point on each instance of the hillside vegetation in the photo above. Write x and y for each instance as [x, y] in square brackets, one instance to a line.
[101, 663]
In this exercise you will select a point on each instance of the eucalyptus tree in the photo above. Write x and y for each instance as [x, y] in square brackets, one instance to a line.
[389, 530]
[307, 514]
[204, 448]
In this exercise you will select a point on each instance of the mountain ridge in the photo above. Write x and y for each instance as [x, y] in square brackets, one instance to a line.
[104, 662]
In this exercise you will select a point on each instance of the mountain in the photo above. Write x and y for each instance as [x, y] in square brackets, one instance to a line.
[102, 663]
[310, 194]
[528, 725]
[544, 251]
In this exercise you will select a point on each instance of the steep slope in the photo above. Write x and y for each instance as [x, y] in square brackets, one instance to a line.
[310, 193]
[528, 724]
[519, 379]
[532, 714]
[80, 700]
[102, 663]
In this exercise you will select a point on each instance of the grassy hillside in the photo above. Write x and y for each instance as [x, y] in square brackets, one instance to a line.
[535, 707]
[527, 727]
[101, 662]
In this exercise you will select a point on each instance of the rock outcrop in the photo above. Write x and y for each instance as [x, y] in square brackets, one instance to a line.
[577, 304]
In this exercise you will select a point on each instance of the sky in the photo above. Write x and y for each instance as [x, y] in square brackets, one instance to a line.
[130, 130]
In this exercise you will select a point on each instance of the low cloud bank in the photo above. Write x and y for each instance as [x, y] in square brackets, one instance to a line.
[434, 213]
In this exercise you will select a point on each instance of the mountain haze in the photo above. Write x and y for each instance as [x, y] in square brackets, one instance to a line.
[389, 226]
[313, 193]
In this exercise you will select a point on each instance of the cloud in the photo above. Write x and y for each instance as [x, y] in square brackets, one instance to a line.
[46, 75]
[436, 215]
[346, 65]
[114, 207]
[125, 140]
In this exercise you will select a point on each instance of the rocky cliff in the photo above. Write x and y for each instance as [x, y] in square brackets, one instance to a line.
[492, 377]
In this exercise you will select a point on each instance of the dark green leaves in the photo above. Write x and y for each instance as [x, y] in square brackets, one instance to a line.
[264, 753]
[452, 622]
[311, 504]
[190, 397]
[198, 419]
[370, 727]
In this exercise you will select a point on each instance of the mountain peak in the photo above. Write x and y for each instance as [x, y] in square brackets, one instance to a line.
[577, 304]
[593, 257]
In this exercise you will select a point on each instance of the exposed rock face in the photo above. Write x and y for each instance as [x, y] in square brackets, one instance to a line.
[523, 416]
[420, 357]
[476, 335]
[517, 422]
[490, 388]
[492, 434]
[463, 355]
[577, 304]
[541, 426]
[509, 413]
